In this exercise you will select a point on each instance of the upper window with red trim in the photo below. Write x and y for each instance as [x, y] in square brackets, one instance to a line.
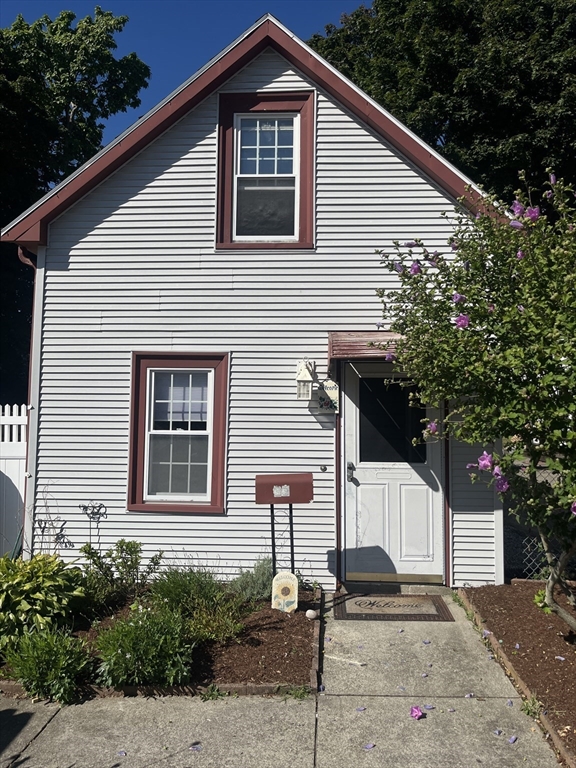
[266, 151]
[178, 433]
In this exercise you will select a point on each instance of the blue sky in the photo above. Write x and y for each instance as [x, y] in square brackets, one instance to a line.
[177, 37]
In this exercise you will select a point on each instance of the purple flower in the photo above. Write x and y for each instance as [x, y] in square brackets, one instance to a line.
[454, 245]
[497, 472]
[491, 307]
[462, 321]
[398, 267]
[370, 746]
[548, 194]
[517, 208]
[380, 324]
[497, 732]
[517, 646]
[512, 739]
[415, 269]
[429, 707]
[426, 642]
[533, 213]
[502, 485]
[485, 462]
[573, 508]
[390, 357]
[471, 466]
[416, 713]
[410, 244]
[552, 179]
[486, 632]
[509, 703]
[432, 427]
[516, 224]
[458, 298]
[520, 255]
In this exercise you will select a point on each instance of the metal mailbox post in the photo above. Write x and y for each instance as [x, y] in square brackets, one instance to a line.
[295, 488]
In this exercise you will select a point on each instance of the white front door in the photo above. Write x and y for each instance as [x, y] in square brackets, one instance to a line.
[393, 500]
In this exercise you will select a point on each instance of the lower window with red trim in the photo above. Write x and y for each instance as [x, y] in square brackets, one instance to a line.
[178, 432]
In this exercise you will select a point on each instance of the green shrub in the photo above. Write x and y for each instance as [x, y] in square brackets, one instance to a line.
[255, 584]
[36, 594]
[185, 588]
[150, 647]
[117, 575]
[217, 619]
[213, 613]
[49, 664]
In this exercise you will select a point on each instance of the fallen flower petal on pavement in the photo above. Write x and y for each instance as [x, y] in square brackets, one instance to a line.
[416, 713]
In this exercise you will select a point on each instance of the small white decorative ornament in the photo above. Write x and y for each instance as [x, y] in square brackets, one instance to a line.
[285, 592]
[310, 614]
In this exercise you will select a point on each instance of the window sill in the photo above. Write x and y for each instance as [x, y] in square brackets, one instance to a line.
[264, 247]
[177, 508]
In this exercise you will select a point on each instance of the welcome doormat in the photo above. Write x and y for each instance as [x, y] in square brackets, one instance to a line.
[391, 608]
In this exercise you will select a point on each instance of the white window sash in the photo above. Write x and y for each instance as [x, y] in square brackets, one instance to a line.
[295, 117]
[174, 497]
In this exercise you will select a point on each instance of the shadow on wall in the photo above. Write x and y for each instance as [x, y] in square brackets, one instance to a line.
[11, 514]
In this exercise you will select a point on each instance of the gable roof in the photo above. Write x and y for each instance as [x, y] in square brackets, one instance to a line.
[31, 227]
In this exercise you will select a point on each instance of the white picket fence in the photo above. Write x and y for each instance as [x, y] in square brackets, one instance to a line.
[13, 437]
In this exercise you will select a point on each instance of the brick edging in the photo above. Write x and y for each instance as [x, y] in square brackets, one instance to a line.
[567, 755]
[12, 688]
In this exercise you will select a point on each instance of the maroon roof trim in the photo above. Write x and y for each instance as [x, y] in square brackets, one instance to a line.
[32, 230]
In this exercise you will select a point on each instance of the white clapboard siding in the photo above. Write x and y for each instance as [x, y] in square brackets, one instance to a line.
[474, 534]
[132, 266]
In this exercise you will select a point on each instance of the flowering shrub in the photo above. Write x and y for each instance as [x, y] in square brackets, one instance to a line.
[490, 327]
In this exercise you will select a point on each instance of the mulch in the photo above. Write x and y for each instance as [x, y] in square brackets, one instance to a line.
[535, 643]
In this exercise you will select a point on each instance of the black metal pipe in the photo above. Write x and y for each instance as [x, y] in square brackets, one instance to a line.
[291, 518]
[273, 540]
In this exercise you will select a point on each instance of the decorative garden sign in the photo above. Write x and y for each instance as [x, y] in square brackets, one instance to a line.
[285, 592]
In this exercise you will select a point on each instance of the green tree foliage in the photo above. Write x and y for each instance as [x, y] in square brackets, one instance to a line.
[492, 330]
[58, 82]
[491, 84]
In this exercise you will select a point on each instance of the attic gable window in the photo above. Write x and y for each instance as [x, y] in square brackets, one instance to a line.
[266, 150]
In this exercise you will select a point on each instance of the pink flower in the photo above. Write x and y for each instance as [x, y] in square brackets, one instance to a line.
[390, 357]
[432, 427]
[573, 508]
[520, 255]
[552, 179]
[458, 298]
[502, 485]
[462, 321]
[415, 269]
[485, 462]
[533, 213]
[517, 208]
[516, 224]
[416, 713]
[497, 472]
[491, 307]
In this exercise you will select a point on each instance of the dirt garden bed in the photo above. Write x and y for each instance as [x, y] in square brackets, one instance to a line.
[538, 649]
[275, 652]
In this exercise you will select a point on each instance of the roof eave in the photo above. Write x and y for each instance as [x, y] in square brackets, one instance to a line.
[31, 227]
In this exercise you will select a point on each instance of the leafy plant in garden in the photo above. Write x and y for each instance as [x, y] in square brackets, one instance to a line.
[255, 584]
[119, 574]
[491, 329]
[540, 601]
[149, 647]
[49, 664]
[213, 612]
[35, 594]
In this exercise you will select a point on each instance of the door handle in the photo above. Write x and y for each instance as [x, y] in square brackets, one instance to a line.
[350, 471]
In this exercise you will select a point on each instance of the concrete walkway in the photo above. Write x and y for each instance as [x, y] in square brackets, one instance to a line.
[373, 673]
